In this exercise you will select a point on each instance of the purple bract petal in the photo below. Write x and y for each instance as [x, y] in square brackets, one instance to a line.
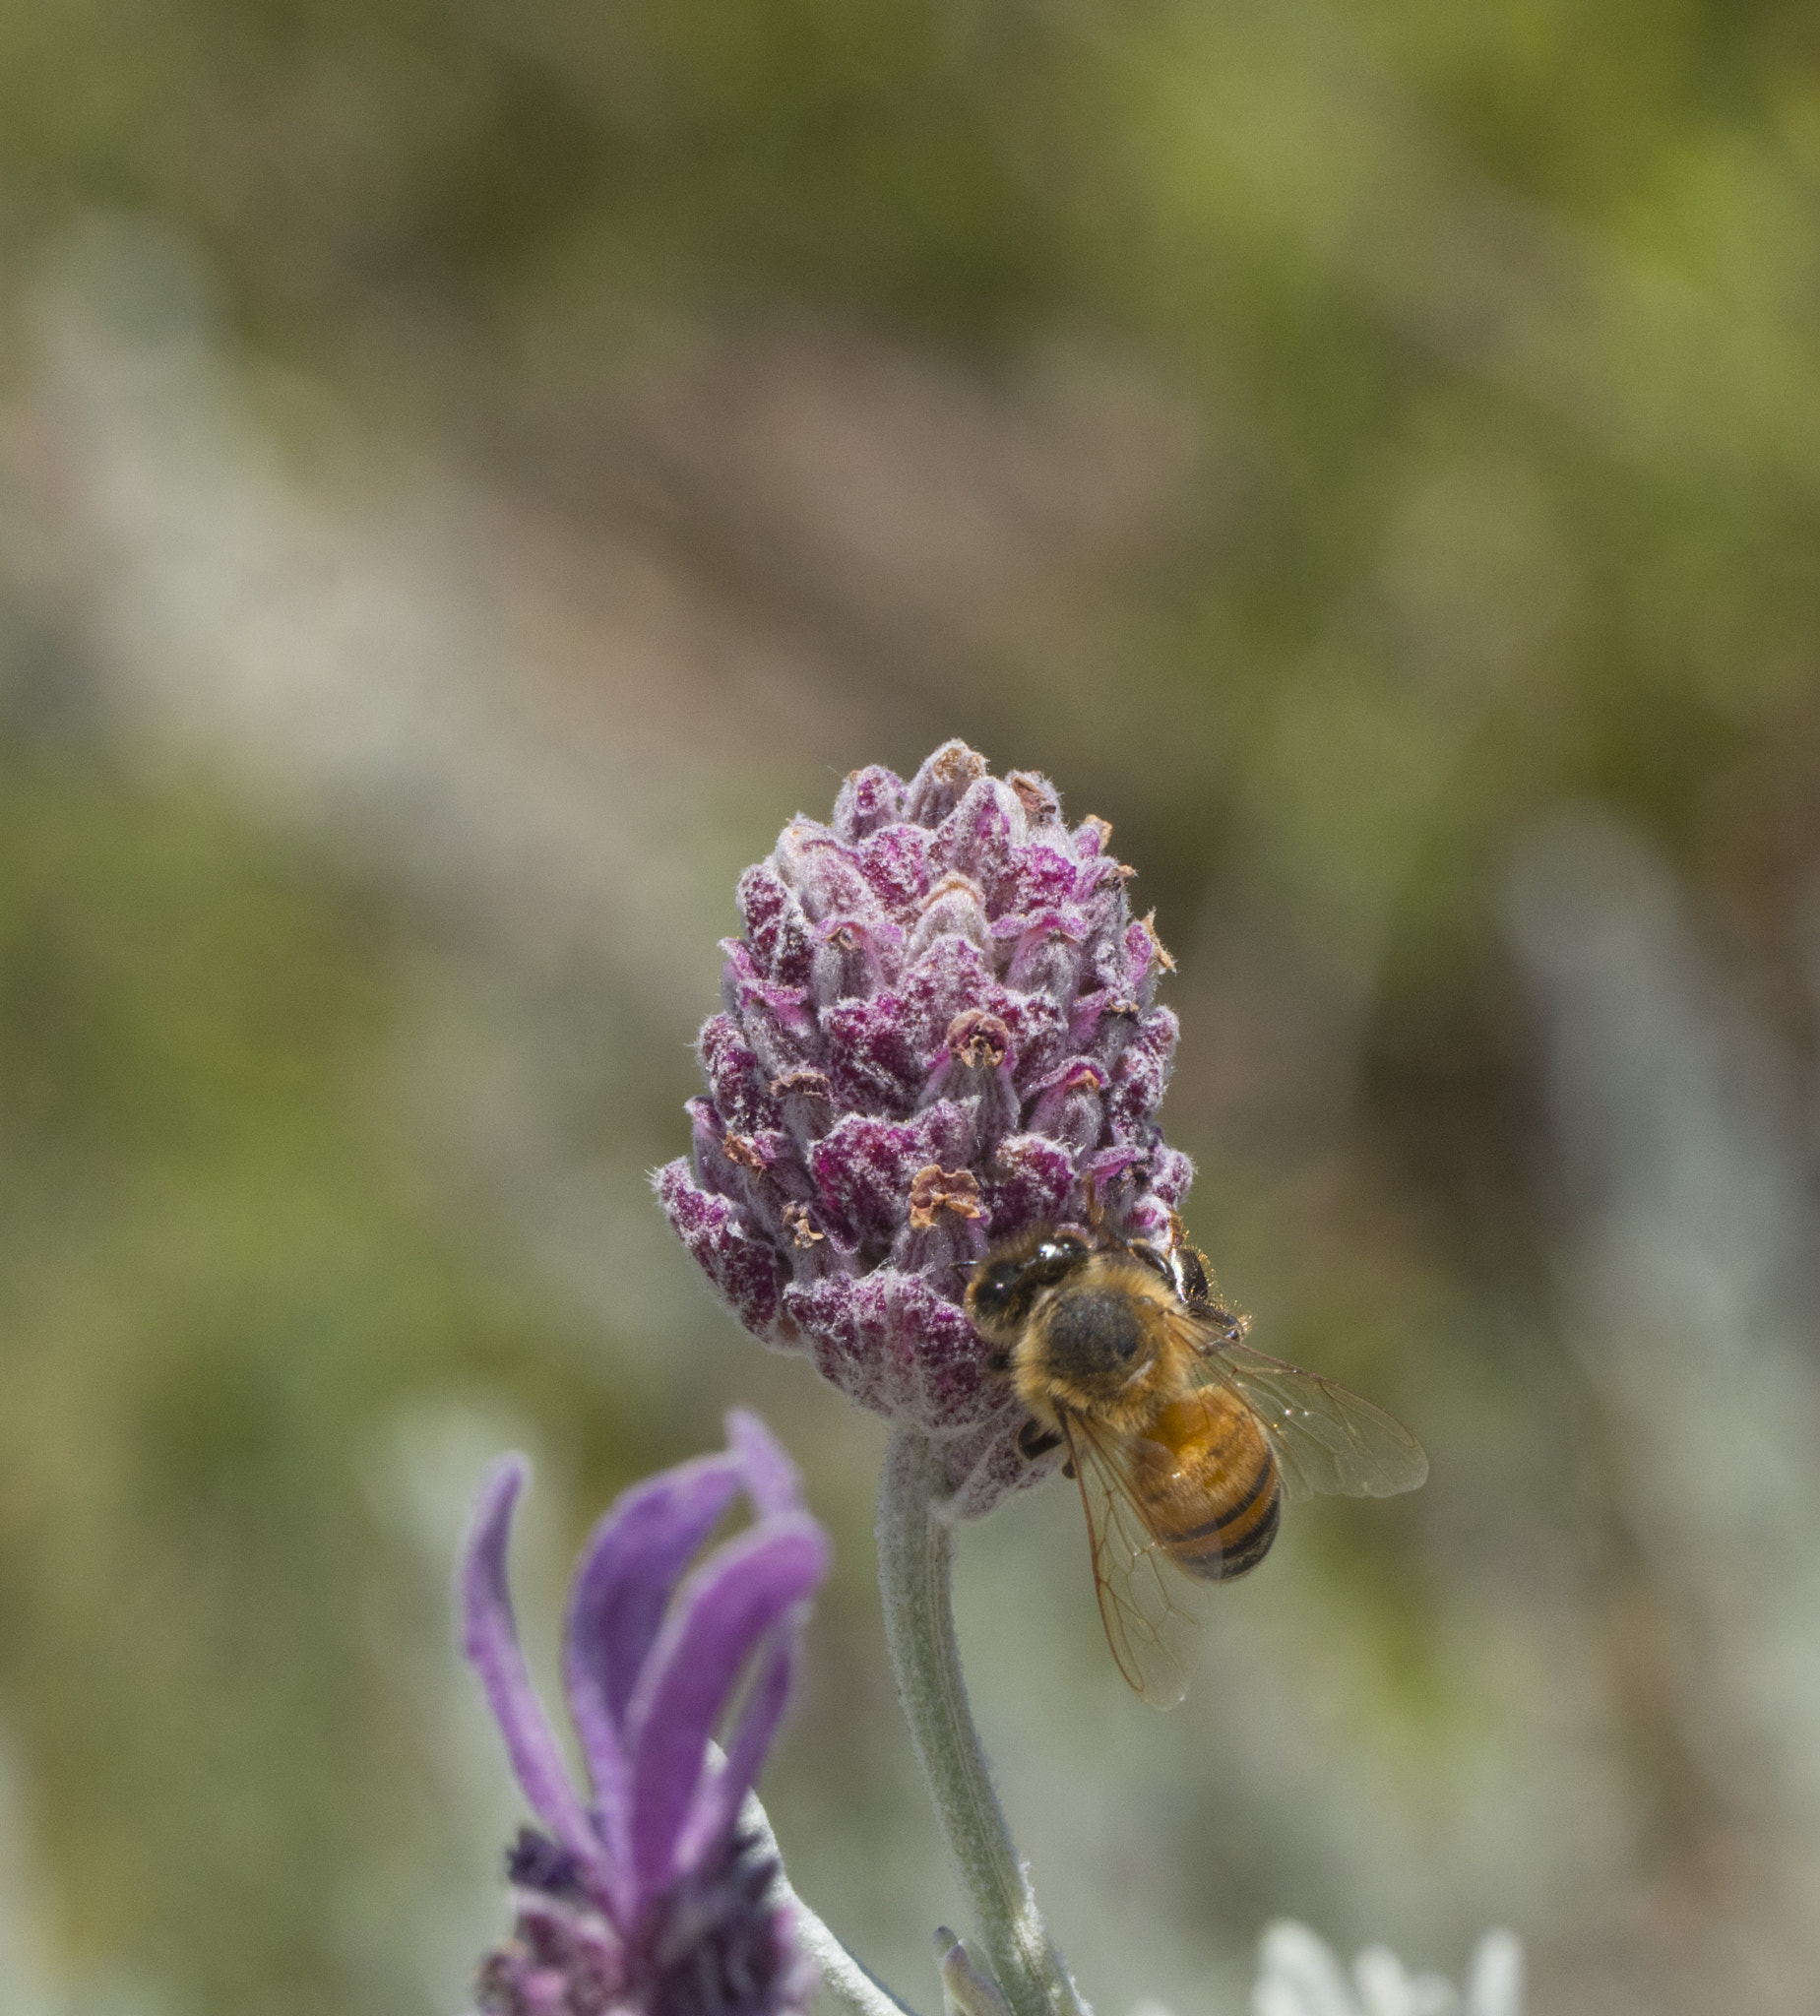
[940, 1025]
[724, 1610]
[623, 1584]
[722, 1793]
[769, 1475]
[658, 1904]
[490, 1639]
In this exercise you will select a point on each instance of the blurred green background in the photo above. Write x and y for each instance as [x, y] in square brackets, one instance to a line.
[468, 472]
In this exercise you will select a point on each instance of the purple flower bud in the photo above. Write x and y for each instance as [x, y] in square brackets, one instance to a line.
[938, 1030]
[645, 1899]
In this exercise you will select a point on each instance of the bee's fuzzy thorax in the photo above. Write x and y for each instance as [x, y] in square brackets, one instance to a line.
[1101, 1343]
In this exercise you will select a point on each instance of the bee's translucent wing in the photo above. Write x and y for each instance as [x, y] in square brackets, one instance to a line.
[1326, 1439]
[1154, 1614]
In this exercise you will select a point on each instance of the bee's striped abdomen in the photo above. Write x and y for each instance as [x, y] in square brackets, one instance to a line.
[1222, 1549]
[1211, 1495]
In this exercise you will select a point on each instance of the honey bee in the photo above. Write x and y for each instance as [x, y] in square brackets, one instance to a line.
[1184, 1440]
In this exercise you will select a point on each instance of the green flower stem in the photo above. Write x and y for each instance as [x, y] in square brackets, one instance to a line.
[915, 1556]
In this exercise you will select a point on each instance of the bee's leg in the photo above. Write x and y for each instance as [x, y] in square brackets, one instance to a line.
[1191, 1279]
[1034, 1440]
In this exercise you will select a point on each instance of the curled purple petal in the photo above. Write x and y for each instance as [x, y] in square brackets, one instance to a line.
[770, 1478]
[623, 1585]
[722, 1791]
[490, 1639]
[723, 1610]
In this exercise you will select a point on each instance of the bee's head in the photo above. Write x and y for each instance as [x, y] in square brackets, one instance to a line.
[1006, 1282]
[991, 1292]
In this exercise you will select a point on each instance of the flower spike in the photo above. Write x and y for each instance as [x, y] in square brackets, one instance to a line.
[938, 1028]
[649, 1900]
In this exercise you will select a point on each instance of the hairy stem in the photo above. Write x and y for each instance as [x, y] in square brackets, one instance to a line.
[915, 1556]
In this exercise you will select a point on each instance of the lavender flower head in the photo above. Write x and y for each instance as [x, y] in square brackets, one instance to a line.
[938, 1030]
[648, 1898]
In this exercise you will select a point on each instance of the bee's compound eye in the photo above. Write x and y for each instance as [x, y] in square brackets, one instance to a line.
[992, 1286]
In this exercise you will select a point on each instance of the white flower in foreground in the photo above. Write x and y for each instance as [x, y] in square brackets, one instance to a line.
[1298, 1975]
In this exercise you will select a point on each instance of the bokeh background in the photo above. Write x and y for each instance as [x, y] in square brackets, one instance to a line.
[468, 472]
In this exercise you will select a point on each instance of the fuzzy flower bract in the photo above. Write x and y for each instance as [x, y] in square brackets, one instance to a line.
[938, 1028]
[1298, 1975]
[647, 1898]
